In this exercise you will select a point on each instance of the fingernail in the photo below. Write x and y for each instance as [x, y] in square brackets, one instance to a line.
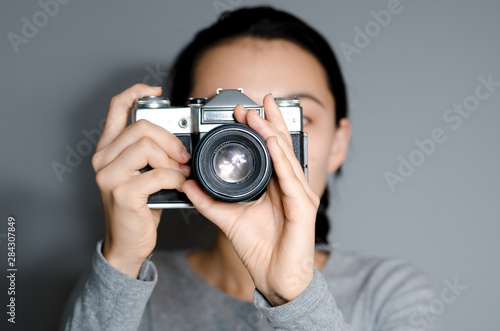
[185, 168]
[185, 154]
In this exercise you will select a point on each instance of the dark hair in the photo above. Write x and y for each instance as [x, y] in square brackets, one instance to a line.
[263, 23]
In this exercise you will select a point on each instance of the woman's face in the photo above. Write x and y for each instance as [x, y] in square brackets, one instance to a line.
[285, 70]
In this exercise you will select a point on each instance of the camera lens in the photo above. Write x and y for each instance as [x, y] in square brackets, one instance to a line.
[233, 162]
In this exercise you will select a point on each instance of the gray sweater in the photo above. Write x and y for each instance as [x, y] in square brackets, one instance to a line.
[351, 292]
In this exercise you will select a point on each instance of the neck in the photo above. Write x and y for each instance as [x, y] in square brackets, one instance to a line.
[221, 267]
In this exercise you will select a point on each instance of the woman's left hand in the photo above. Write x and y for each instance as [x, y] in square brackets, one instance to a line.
[274, 235]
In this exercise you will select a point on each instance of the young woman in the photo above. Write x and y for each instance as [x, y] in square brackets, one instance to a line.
[269, 267]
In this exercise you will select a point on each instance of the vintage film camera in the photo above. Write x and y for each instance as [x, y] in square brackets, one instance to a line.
[230, 160]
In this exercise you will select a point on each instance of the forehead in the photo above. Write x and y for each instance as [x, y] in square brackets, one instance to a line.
[260, 66]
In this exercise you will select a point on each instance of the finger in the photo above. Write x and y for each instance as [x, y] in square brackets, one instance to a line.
[240, 114]
[222, 214]
[273, 125]
[146, 184]
[290, 159]
[168, 142]
[135, 157]
[273, 113]
[267, 130]
[291, 185]
[118, 111]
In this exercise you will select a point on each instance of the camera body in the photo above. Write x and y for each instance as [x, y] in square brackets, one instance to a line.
[229, 160]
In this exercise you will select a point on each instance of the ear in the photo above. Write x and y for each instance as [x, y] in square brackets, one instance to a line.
[340, 145]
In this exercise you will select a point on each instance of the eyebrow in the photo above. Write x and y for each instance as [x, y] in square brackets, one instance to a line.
[307, 96]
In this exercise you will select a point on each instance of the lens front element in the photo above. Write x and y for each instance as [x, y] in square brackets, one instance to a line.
[233, 162]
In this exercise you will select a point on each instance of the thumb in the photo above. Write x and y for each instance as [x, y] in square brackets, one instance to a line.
[220, 213]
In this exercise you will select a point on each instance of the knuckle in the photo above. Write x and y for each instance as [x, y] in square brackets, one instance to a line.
[117, 194]
[158, 175]
[114, 100]
[145, 143]
[142, 124]
[102, 180]
[96, 162]
[167, 161]
[163, 177]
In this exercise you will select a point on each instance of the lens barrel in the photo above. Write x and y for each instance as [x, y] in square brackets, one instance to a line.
[232, 163]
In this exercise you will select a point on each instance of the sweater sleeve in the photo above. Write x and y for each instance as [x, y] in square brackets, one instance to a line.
[394, 297]
[107, 299]
[314, 309]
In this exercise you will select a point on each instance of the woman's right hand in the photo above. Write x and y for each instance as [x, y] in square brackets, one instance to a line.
[121, 152]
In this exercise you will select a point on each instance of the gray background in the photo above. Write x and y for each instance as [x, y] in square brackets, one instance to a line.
[444, 217]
